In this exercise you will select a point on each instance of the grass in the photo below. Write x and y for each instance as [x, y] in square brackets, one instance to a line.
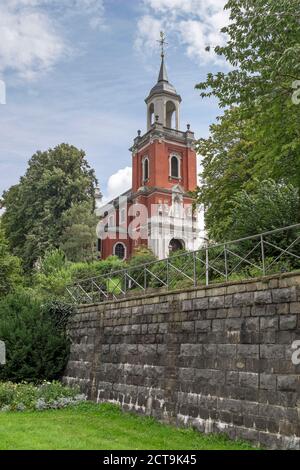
[100, 427]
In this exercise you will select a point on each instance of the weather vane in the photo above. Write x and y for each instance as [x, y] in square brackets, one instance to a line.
[162, 43]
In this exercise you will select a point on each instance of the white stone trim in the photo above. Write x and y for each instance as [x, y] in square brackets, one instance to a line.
[111, 220]
[122, 220]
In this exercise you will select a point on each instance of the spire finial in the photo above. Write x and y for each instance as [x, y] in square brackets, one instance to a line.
[162, 43]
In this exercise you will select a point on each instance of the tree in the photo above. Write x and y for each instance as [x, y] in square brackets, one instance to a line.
[263, 48]
[37, 346]
[78, 240]
[227, 167]
[271, 205]
[54, 181]
[263, 121]
[10, 267]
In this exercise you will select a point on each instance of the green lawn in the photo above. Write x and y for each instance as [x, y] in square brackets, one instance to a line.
[100, 427]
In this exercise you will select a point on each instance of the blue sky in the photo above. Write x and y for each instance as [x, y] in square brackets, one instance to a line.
[78, 71]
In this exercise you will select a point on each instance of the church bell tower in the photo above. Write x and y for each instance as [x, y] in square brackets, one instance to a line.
[164, 170]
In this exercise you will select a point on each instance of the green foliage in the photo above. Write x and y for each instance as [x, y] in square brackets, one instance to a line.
[81, 271]
[226, 168]
[258, 137]
[25, 396]
[78, 240]
[37, 346]
[271, 205]
[52, 274]
[142, 255]
[263, 49]
[55, 181]
[10, 267]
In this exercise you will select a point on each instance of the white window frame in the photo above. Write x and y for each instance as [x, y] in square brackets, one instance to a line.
[179, 166]
[125, 250]
[122, 216]
[111, 220]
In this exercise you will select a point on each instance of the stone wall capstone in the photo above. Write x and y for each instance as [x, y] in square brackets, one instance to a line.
[217, 358]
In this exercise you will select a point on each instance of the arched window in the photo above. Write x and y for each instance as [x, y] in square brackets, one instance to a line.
[170, 115]
[145, 169]
[174, 173]
[151, 114]
[120, 251]
[176, 245]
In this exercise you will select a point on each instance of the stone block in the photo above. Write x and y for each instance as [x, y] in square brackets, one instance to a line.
[249, 379]
[287, 294]
[269, 323]
[295, 307]
[248, 351]
[186, 305]
[288, 383]
[217, 302]
[200, 304]
[288, 322]
[262, 297]
[243, 299]
[202, 325]
[267, 381]
[272, 351]
[187, 326]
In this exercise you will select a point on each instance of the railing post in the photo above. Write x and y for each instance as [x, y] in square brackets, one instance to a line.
[167, 273]
[125, 283]
[206, 266]
[194, 269]
[92, 285]
[262, 254]
[226, 265]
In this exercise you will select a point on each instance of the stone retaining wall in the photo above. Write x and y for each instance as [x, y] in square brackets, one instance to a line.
[216, 358]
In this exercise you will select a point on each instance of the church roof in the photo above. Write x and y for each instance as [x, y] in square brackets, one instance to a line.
[163, 76]
[163, 85]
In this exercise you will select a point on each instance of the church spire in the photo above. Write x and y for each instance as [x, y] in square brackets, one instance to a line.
[163, 76]
[163, 100]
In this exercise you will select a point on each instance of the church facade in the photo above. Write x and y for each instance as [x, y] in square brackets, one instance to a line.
[157, 211]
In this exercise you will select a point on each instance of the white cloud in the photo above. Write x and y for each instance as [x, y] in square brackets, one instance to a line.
[194, 23]
[29, 43]
[31, 38]
[185, 6]
[118, 183]
[148, 32]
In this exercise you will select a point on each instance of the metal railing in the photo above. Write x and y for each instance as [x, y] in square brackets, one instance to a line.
[257, 255]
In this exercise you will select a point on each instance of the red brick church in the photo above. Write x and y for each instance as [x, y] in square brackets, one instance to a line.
[157, 211]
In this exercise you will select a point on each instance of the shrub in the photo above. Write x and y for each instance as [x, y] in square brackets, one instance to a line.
[37, 346]
[268, 206]
[52, 274]
[25, 396]
[142, 255]
[81, 271]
